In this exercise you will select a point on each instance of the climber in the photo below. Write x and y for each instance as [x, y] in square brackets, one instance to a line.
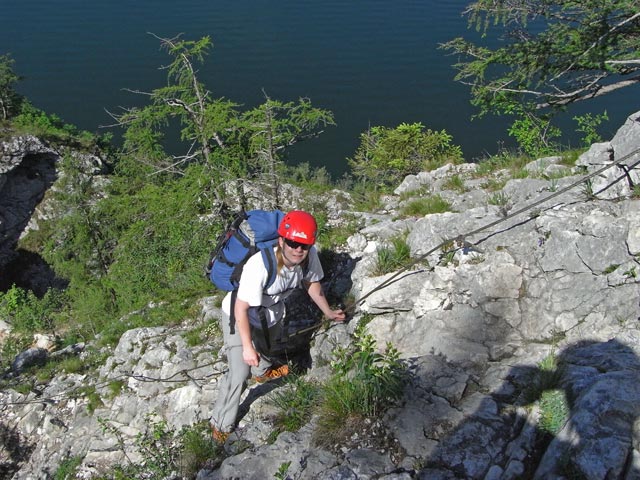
[298, 266]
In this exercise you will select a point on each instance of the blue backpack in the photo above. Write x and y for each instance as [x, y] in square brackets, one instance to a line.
[249, 232]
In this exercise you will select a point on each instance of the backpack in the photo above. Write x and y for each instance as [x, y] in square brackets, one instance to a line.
[248, 233]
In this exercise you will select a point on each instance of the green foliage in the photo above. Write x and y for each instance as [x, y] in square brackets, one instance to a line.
[196, 448]
[132, 247]
[503, 160]
[393, 256]
[115, 388]
[71, 365]
[364, 384]
[551, 54]
[161, 243]
[164, 452]
[295, 402]
[282, 473]
[316, 180]
[588, 126]
[275, 125]
[367, 199]
[94, 401]
[67, 468]
[610, 269]
[586, 189]
[499, 199]
[545, 378]
[10, 100]
[455, 183]
[493, 184]
[554, 411]
[27, 313]
[203, 334]
[52, 128]
[336, 236]
[228, 143]
[535, 134]
[552, 401]
[386, 155]
[425, 206]
[570, 157]
[12, 345]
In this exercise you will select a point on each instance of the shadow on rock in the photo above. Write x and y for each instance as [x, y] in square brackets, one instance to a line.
[13, 451]
[29, 271]
[593, 390]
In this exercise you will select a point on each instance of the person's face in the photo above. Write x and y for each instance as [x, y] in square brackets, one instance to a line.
[294, 252]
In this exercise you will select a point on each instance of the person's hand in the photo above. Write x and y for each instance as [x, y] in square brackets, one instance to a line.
[337, 315]
[250, 356]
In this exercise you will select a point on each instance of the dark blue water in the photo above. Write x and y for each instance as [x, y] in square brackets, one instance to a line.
[371, 62]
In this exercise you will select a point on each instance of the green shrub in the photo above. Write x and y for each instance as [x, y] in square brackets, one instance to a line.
[72, 365]
[137, 246]
[337, 236]
[164, 452]
[67, 468]
[52, 128]
[493, 185]
[296, 403]
[426, 206]
[11, 346]
[570, 157]
[364, 384]
[367, 197]
[503, 160]
[546, 377]
[386, 155]
[196, 448]
[392, 257]
[499, 199]
[316, 180]
[455, 183]
[10, 100]
[27, 313]
[535, 135]
[588, 125]
[115, 388]
[283, 471]
[554, 411]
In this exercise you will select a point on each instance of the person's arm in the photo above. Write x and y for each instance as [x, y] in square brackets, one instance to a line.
[317, 295]
[249, 354]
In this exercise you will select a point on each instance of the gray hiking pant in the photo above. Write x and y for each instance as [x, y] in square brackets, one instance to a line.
[234, 382]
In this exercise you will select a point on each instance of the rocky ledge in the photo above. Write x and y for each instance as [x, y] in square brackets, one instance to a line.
[476, 323]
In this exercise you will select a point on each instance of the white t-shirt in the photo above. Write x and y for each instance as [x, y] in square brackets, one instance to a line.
[254, 278]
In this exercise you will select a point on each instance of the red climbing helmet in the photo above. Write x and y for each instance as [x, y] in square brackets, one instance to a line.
[299, 226]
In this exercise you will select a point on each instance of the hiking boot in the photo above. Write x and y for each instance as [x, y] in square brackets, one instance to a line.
[218, 436]
[273, 373]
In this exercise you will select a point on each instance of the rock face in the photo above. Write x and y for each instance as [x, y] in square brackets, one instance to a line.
[27, 171]
[30, 168]
[480, 323]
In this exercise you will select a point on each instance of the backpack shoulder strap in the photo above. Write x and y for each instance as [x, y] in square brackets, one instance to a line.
[271, 263]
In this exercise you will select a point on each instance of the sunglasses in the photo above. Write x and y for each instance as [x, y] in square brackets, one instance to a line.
[294, 245]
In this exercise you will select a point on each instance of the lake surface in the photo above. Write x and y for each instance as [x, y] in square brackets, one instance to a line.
[370, 62]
